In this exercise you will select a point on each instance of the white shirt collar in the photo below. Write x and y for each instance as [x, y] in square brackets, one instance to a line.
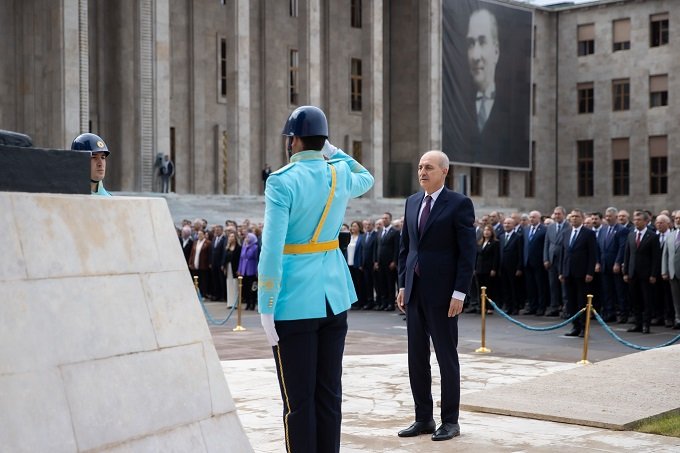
[434, 194]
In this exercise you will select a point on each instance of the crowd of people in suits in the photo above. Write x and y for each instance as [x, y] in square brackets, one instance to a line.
[218, 255]
[546, 265]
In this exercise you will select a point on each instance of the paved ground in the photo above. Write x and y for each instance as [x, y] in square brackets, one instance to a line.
[377, 400]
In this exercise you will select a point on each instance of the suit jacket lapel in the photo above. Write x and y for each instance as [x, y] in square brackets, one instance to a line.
[413, 214]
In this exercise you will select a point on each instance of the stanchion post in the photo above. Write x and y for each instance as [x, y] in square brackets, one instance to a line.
[196, 284]
[589, 307]
[239, 327]
[483, 349]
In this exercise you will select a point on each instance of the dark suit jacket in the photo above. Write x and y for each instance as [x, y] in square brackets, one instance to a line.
[533, 247]
[387, 250]
[612, 246]
[233, 257]
[358, 251]
[445, 251]
[368, 248]
[553, 245]
[511, 254]
[579, 259]
[504, 140]
[488, 258]
[217, 253]
[643, 261]
[187, 249]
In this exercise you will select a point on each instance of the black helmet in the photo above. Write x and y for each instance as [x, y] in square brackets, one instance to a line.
[90, 142]
[306, 121]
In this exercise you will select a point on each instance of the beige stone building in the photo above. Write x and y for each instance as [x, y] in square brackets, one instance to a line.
[210, 82]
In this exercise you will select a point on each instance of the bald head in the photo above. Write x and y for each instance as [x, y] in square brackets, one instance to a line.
[432, 170]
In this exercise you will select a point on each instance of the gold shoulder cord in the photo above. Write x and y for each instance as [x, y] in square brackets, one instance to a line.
[314, 246]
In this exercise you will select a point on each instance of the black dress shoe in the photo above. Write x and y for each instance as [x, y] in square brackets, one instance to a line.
[668, 323]
[389, 307]
[528, 312]
[380, 307]
[552, 313]
[368, 306]
[540, 312]
[657, 322]
[634, 329]
[446, 431]
[645, 329]
[418, 428]
[573, 333]
[623, 320]
[676, 326]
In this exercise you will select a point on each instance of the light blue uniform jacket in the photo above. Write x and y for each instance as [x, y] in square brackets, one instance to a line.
[297, 286]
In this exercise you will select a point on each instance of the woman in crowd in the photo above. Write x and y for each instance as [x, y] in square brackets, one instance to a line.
[199, 261]
[488, 261]
[354, 250]
[232, 257]
[247, 268]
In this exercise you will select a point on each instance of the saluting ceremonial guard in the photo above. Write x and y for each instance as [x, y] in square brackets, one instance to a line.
[305, 288]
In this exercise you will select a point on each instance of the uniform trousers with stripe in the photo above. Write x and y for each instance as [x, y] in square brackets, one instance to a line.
[309, 368]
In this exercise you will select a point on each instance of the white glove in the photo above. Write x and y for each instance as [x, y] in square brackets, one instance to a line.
[267, 320]
[328, 150]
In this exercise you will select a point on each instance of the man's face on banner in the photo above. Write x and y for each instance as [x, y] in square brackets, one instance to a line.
[482, 45]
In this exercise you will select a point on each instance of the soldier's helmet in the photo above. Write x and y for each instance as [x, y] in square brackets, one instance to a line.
[306, 121]
[90, 142]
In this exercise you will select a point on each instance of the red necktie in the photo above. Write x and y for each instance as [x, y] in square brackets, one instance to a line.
[637, 239]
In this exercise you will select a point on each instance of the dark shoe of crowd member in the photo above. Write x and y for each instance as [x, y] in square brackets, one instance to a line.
[446, 431]
[573, 333]
[472, 310]
[418, 428]
[528, 311]
[645, 329]
[389, 307]
[669, 323]
[623, 320]
[540, 312]
[610, 318]
[368, 306]
[676, 326]
[635, 328]
[553, 313]
[656, 322]
[356, 306]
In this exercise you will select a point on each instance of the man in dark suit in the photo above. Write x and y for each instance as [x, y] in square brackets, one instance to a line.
[535, 275]
[552, 258]
[366, 264]
[641, 269]
[578, 267]
[612, 242]
[436, 263]
[511, 266]
[386, 256]
[219, 283]
[186, 242]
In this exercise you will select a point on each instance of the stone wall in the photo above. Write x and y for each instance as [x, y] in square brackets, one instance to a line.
[103, 345]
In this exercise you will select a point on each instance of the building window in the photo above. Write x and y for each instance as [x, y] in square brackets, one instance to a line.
[355, 13]
[293, 8]
[586, 97]
[530, 176]
[658, 90]
[533, 50]
[356, 151]
[621, 94]
[658, 164]
[658, 30]
[533, 99]
[620, 166]
[585, 168]
[355, 85]
[222, 70]
[586, 39]
[621, 34]
[475, 181]
[503, 183]
[293, 73]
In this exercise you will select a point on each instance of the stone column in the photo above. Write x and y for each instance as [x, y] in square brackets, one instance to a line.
[73, 62]
[161, 78]
[430, 80]
[314, 50]
[84, 68]
[374, 77]
[242, 118]
[145, 95]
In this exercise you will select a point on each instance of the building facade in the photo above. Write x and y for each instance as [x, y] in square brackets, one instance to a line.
[211, 82]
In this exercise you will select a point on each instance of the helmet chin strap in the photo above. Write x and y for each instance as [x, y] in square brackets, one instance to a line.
[290, 148]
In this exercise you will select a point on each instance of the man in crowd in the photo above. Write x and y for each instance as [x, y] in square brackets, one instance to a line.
[535, 275]
[611, 243]
[219, 283]
[387, 252]
[511, 266]
[670, 267]
[552, 258]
